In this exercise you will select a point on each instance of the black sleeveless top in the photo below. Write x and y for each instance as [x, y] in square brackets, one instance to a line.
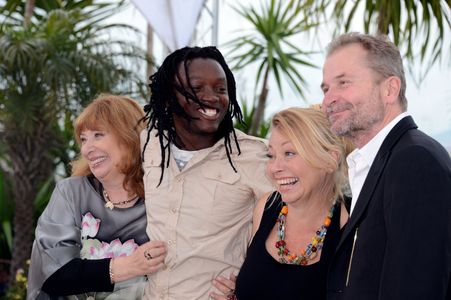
[262, 277]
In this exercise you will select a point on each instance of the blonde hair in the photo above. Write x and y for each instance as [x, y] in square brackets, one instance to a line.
[120, 116]
[309, 131]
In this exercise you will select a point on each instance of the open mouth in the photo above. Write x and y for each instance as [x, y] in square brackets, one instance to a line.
[97, 161]
[287, 181]
[208, 112]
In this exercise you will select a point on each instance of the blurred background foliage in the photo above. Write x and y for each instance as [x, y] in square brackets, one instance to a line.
[56, 55]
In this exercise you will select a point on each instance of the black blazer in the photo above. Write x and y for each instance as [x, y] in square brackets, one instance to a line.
[397, 243]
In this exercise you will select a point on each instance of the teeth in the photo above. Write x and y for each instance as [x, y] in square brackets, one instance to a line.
[97, 161]
[287, 181]
[208, 111]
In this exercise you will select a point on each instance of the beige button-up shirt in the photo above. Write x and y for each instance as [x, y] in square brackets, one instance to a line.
[203, 212]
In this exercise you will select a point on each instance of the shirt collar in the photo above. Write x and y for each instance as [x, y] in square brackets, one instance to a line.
[369, 151]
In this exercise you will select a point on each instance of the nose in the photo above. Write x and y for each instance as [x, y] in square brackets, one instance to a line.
[329, 98]
[208, 95]
[274, 166]
[86, 148]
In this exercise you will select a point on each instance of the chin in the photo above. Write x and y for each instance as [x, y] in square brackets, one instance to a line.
[208, 129]
[286, 197]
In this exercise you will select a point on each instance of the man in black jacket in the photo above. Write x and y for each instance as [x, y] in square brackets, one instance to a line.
[397, 243]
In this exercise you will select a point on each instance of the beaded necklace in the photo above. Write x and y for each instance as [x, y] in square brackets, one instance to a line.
[312, 249]
[109, 204]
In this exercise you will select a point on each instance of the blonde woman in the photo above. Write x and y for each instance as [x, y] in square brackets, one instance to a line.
[297, 227]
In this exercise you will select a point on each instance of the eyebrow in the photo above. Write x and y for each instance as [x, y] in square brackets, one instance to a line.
[283, 144]
[197, 77]
[335, 78]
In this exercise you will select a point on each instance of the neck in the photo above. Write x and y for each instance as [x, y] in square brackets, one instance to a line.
[308, 210]
[362, 137]
[115, 186]
[115, 189]
[193, 143]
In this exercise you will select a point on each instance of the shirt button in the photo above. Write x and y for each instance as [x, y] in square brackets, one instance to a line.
[170, 242]
[179, 179]
[174, 210]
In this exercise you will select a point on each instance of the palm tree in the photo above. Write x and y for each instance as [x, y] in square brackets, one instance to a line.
[269, 44]
[50, 66]
[419, 26]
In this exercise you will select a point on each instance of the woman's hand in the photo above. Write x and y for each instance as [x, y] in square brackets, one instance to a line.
[226, 286]
[148, 258]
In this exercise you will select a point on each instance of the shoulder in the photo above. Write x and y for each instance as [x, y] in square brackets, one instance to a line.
[259, 209]
[72, 183]
[416, 147]
[151, 140]
[418, 165]
[67, 195]
[73, 187]
[252, 142]
[250, 146]
[261, 203]
[143, 136]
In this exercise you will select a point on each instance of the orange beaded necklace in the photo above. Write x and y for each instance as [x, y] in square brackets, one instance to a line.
[312, 249]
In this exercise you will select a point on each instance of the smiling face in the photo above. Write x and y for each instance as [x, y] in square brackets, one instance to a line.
[294, 178]
[209, 83]
[103, 153]
[352, 94]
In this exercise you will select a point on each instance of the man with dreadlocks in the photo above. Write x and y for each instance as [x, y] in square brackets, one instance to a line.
[202, 176]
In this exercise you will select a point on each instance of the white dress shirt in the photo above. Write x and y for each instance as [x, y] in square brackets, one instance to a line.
[360, 160]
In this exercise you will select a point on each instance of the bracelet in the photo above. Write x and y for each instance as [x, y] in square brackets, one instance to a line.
[110, 269]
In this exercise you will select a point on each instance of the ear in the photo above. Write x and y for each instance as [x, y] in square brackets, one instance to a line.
[336, 156]
[390, 89]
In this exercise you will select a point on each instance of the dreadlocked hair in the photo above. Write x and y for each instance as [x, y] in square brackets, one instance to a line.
[163, 101]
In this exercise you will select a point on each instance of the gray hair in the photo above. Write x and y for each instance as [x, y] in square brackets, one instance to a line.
[383, 56]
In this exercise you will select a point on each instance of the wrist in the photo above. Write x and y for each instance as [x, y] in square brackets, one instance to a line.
[111, 271]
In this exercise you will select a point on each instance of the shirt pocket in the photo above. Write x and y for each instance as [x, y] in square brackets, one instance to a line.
[230, 205]
[220, 173]
[226, 184]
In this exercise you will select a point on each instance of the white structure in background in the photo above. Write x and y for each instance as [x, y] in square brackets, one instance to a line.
[174, 21]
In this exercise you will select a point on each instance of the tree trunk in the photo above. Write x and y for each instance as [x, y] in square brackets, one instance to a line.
[382, 24]
[31, 166]
[29, 9]
[259, 113]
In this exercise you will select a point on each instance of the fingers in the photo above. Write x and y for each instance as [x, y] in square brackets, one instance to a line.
[150, 256]
[215, 296]
[154, 244]
[154, 250]
[155, 267]
[225, 286]
[221, 287]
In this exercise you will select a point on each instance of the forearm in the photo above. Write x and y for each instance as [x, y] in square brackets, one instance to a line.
[79, 276]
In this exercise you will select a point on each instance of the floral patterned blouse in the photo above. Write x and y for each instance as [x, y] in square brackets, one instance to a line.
[76, 224]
